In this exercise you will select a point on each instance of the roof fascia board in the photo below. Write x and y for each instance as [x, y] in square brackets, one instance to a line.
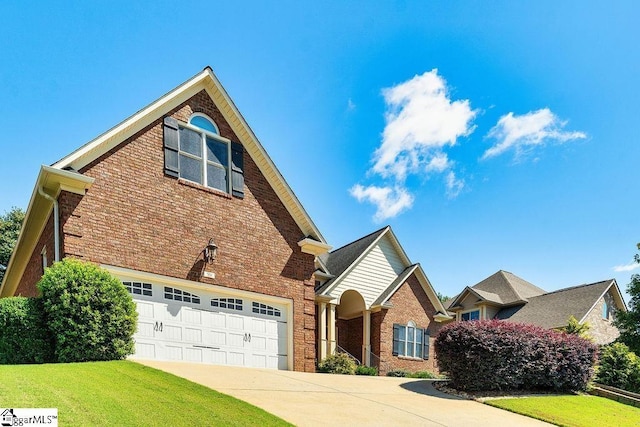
[406, 274]
[205, 80]
[114, 136]
[428, 288]
[278, 180]
[461, 296]
[362, 256]
[613, 281]
[35, 220]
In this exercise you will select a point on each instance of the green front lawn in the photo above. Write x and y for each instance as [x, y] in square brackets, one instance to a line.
[573, 411]
[123, 393]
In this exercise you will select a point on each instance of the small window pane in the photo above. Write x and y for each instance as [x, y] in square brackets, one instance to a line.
[190, 142]
[216, 177]
[203, 123]
[401, 333]
[217, 152]
[191, 169]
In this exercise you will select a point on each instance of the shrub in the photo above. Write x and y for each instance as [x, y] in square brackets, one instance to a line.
[619, 367]
[339, 363]
[398, 373]
[90, 314]
[23, 334]
[499, 355]
[366, 370]
[423, 374]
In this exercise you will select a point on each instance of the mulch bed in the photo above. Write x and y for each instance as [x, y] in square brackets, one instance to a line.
[481, 396]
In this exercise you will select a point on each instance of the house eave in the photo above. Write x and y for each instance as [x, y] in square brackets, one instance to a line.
[52, 181]
[313, 247]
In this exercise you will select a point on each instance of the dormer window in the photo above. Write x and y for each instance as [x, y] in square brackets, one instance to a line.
[196, 152]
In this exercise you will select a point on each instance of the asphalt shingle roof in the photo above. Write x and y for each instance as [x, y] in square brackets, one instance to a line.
[508, 287]
[339, 260]
[553, 309]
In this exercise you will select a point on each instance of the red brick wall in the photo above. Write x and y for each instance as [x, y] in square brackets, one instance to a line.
[33, 271]
[350, 336]
[136, 217]
[410, 302]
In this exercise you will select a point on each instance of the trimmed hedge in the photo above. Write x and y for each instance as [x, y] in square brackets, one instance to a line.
[619, 367]
[23, 334]
[499, 355]
[89, 313]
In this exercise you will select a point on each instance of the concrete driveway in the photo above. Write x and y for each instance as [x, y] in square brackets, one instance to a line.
[306, 399]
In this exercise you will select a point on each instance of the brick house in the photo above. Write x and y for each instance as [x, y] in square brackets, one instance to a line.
[506, 296]
[183, 204]
[376, 305]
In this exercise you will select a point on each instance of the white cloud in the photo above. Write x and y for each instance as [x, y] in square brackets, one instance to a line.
[528, 130]
[454, 185]
[438, 163]
[421, 120]
[389, 201]
[350, 105]
[627, 267]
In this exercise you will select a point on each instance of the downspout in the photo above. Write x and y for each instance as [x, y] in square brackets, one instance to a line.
[56, 223]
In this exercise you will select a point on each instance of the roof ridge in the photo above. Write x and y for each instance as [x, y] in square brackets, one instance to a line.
[360, 239]
[515, 291]
[584, 285]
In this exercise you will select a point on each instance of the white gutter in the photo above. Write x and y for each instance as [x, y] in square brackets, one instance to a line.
[56, 222]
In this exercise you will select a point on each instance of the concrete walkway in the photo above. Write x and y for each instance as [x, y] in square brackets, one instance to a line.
[306, 399]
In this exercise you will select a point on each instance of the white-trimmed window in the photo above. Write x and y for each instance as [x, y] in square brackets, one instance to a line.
[410, 341]
[229, 303]
[260, 308]
[196, 152]
[470, 315]
[138, 288]
[180, 295]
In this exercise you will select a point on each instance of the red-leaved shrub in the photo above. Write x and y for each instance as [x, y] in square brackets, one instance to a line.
[499, 355]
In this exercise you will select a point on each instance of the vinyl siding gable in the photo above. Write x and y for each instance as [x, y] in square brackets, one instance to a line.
[374, 273]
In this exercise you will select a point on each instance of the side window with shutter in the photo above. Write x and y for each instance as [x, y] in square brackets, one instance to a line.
[237, 173]
[425, 342]
[396, 339]
[171, 138]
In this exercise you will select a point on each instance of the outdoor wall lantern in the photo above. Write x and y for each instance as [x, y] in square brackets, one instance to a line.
[210, 251]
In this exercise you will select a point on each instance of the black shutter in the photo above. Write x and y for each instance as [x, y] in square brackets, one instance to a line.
[237, 170]
[425, 343]
[396, 338]
[171, 144]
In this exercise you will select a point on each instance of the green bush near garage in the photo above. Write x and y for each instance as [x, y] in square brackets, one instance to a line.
[339, 363]
[24, 338]
[367, 370]
[88, 312]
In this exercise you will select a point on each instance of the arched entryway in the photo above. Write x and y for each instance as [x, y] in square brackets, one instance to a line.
[348, 327]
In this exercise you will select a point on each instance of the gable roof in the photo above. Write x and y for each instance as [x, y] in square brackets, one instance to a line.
[342, 260]
[338, 260]
[553, 309]
[39, 206]
[502, 288]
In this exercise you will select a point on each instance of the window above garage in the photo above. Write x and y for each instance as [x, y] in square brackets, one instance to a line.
[196, 152]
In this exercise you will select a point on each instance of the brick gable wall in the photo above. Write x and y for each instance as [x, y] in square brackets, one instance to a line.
[136, 217]
[410, 302]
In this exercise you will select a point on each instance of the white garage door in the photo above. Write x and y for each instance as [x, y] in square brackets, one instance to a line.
[197, 326]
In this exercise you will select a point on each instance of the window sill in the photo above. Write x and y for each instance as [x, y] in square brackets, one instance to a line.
[204, 188]
[410, 358]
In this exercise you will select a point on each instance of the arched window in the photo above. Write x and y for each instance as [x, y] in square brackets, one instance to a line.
[196, 151]
[410, 341]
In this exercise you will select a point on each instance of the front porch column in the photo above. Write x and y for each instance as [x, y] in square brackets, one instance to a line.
[331, 329]
[322, 330]
[366, 337]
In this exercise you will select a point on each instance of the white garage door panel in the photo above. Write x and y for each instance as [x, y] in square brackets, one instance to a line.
[238, 332]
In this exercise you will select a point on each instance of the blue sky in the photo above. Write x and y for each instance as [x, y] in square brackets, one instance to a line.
[489, 135]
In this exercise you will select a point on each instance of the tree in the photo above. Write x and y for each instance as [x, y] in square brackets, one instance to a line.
[575, 328]
[10, 224]
[442, 297]
[629, 322]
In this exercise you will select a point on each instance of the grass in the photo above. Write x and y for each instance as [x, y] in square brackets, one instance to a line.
[573, 411]
[123, 393]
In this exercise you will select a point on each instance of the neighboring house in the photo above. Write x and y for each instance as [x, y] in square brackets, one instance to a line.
[506, 296]
[376, 305]
[183, 204]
